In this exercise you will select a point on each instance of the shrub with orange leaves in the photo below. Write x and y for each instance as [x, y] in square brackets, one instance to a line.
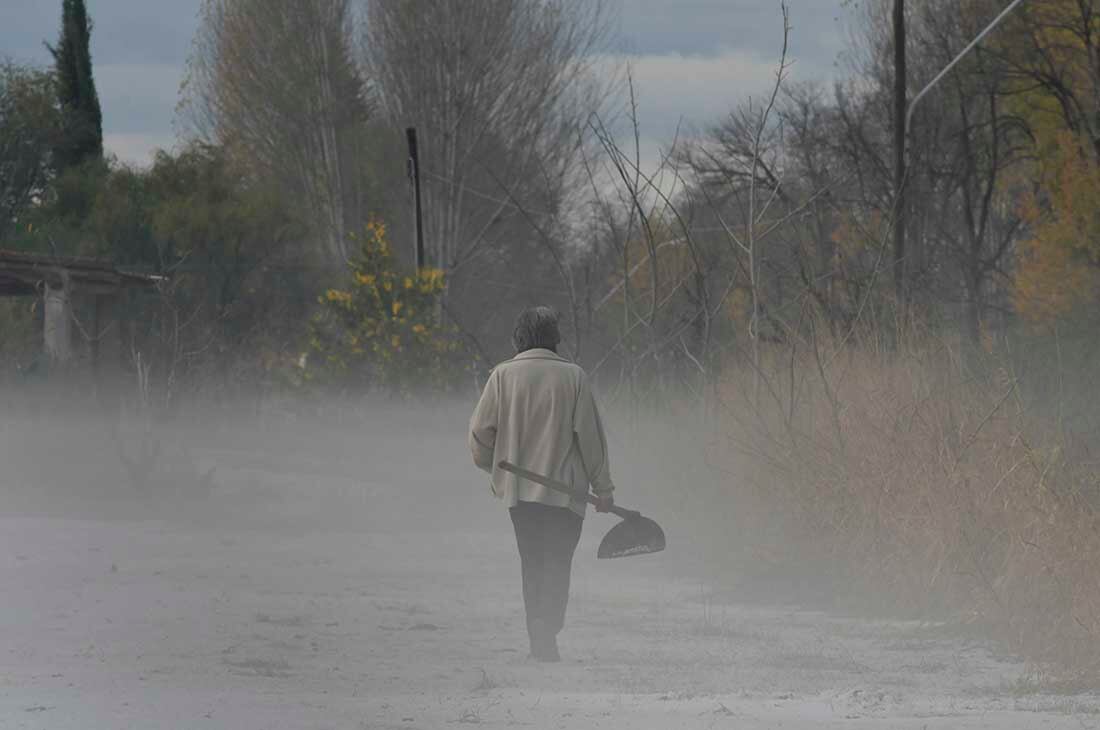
[1057, 267]
[1052, 86]
[380, 331]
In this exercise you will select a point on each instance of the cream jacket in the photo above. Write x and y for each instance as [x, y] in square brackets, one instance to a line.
[538, 412]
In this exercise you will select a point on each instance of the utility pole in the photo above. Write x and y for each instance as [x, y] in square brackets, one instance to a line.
[414, 178]
[900, 284]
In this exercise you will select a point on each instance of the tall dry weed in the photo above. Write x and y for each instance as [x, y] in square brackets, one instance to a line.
[904, 476]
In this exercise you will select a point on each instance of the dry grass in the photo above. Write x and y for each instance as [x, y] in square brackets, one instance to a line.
[935, 492]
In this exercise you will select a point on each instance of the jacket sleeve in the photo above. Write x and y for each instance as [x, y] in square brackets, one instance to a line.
[483, 426]
[592, 441]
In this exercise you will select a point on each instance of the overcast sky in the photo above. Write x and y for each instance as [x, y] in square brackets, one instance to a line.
[692, 59]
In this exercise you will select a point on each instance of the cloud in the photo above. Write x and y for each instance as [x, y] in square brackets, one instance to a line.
[123, 31]
[137, 150]
[158, 82]
[138, 102]
[695, 59]
[708, 26]
[138, 97]
[696, 89]
[691, 92]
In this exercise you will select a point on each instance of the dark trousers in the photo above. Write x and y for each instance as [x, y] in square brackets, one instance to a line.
[547, 537]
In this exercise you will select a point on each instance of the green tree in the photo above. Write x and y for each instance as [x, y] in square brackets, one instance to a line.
[29, 122]
[236, 294]
[82, 138]
[222, 233]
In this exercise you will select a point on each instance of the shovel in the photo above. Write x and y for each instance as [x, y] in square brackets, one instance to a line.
[635, 535]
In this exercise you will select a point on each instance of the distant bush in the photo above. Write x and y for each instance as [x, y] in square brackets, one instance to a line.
[20, 338]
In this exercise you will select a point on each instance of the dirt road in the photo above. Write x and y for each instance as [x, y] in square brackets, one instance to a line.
[301, 599]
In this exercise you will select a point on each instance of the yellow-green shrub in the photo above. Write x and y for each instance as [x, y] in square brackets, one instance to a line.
[382, 330]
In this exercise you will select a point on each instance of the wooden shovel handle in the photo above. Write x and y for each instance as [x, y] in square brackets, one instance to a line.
[557, 486]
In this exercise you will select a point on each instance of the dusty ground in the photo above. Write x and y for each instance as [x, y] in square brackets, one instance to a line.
[314, 593]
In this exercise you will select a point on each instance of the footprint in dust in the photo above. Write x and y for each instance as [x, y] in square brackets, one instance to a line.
[291, 621]
[256, 667]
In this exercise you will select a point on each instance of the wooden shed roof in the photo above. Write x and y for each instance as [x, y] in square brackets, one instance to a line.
[22, 272]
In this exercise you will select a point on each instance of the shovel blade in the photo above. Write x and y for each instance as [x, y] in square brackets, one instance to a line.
[633, 536]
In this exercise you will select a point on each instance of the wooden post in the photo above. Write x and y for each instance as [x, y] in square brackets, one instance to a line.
[414, 175]
[900, 283]
[93, 346]
[57, 332]
[122, 303]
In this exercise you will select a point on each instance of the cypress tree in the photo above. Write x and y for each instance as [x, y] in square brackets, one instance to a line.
[82, 135]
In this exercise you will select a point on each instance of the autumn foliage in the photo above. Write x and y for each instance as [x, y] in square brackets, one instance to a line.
[1058, 264]
[1055, 80]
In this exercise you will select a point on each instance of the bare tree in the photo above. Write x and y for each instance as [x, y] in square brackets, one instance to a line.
[498, 90]
[275, 80]
[977, 142]
[960, 223]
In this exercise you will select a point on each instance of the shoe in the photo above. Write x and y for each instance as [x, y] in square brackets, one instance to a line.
[535, 630]
[545, 648]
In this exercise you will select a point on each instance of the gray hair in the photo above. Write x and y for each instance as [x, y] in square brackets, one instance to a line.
[536, 327]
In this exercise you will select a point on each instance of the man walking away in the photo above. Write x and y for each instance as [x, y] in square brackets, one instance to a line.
[538, 412]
